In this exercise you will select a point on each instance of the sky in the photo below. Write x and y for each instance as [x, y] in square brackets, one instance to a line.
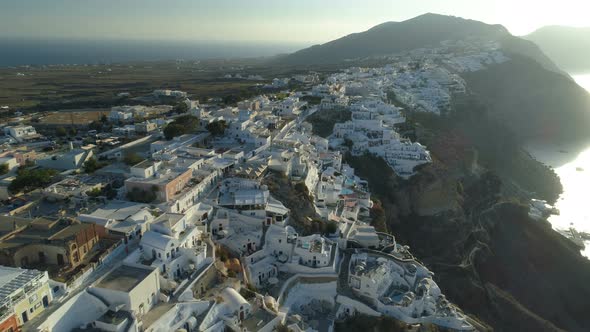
[288, 21]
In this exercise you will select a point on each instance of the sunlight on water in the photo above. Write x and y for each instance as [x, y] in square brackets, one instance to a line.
[583, 80]
[572, 164]
[574, 203]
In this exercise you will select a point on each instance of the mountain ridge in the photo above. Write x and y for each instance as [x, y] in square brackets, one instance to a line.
[371, 42]
[529, 71]
[568, 47]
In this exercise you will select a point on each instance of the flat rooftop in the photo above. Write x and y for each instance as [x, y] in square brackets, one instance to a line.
[258, 320]
[13, 279]
[144, 164]
[163, 178]
[118, 210]
[124, 278]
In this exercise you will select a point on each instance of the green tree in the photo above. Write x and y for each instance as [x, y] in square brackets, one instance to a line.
[95, 125]
[217, 128]
[173, 130]
[185, 124]
[92, 165]
[61, 131]
[231, 99]
[110, 191]
[132, 158]
[30, 179]
[348, 143]
[4, 169]
[331, 227]
[301, 188]
[96, 192]
[180, 107]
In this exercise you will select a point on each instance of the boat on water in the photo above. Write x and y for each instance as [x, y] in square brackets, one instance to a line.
[574, 236]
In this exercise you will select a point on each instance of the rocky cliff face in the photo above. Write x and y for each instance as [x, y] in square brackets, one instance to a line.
[497, 264]
[533, 102]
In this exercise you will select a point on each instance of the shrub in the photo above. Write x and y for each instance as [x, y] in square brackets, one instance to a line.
[4, 169]
[92, 165]
[217, 128]
[30, 179]
[185, 124]
[132, 159]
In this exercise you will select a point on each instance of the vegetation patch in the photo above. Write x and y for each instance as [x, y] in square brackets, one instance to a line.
[30, 179]
[323, 121]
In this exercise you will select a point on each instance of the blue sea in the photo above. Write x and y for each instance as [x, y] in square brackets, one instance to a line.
[17, 52]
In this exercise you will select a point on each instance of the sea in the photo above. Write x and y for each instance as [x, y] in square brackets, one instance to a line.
[572, 165]
[19, 52]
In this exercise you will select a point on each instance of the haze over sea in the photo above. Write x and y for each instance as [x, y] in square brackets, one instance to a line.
[572, 165]
[16, 52]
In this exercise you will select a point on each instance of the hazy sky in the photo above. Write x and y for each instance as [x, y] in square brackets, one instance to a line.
[312, 21]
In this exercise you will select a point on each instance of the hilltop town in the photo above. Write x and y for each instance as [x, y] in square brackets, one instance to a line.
[187, 216]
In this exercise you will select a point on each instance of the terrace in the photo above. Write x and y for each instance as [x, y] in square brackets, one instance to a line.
[124, 278]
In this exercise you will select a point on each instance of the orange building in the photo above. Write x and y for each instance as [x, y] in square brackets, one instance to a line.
[64, 243]
[9, 324]
[165, 184]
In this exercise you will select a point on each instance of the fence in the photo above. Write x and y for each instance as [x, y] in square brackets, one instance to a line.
[107, 257]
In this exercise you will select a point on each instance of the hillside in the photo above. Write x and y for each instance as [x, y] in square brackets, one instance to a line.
[568, 47]
[393, 37]
[535, 103]
[533, 96]
[427, 30]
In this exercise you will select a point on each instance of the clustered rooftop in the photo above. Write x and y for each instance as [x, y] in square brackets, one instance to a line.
[138, 232]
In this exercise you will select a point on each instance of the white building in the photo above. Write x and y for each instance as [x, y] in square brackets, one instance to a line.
[21, 133]
[72, 159]
[134, 287]
[123, 218]
[24, 294]
[172, 243]
[403, 290]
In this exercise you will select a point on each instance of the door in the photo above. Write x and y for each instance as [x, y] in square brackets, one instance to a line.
[45, 301]
[25, 316]
[60, 259]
